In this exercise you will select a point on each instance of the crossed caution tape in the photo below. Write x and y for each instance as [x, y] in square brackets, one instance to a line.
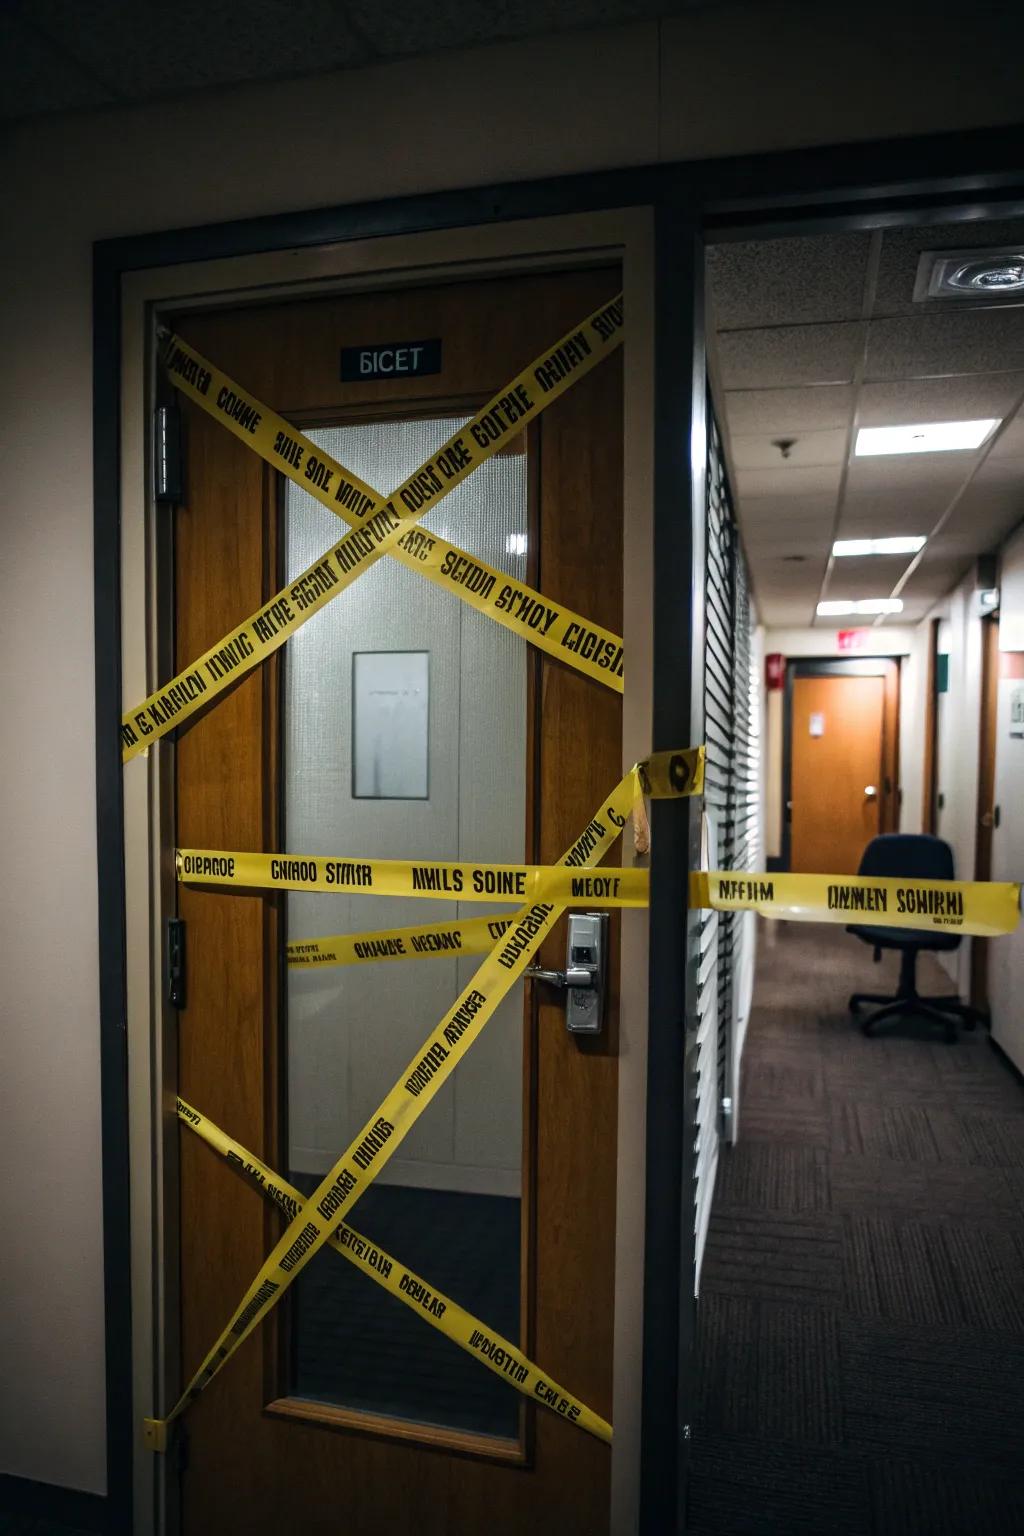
[382, 527]
[433, 1306]
[321, 1213]
[541, 892]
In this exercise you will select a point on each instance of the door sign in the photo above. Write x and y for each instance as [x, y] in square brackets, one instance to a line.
[390, 360]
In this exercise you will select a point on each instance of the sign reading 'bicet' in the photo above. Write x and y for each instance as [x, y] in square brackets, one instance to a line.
[390, 360]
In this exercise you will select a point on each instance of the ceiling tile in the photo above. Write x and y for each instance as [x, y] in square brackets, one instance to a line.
[940, 473]
[792, 511]
[802, 354]
[397, 29]
[935, 576]
[969, 397]
[872, 576]
[809, 448]
[901, 249]
[785, 282]
[987, 512]
[1008, 447]
[33, 78]
[784, 540]
[789, 480]
[159, 50]
[880, 515]
[788, 411]
[967, 341]
[784, 613]
[914, 610]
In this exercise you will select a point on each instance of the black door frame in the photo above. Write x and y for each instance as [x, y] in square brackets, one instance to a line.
[921, 180]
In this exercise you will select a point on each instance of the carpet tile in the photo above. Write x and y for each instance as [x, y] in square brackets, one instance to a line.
[860, 1327]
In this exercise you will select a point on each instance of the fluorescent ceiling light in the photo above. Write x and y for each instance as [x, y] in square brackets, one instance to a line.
[927, 437]
[842, 607]
[896, 546]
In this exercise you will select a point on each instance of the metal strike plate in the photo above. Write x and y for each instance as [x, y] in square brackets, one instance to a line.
[586, 965]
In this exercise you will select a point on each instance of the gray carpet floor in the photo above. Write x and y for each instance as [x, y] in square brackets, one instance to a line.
[861, 1317]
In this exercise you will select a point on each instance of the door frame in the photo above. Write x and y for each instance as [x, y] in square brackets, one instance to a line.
[846, 666]
[930, 787]
[916, 180]
[988, 717]
[377, 264]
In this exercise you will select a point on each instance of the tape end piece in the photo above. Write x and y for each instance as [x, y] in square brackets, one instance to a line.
[154, 1435]
[641, 827]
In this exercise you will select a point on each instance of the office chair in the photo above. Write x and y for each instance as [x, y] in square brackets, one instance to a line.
[923, 858]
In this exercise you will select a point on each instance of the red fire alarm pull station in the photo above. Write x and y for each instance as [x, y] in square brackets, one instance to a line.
[775, 671]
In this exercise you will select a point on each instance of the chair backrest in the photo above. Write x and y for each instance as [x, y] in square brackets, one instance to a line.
[908, 853]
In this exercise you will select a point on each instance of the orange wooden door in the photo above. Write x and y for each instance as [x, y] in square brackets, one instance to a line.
[836, 783]
[344, 1412]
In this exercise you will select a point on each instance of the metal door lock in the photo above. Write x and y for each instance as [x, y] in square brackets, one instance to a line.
[586, 964]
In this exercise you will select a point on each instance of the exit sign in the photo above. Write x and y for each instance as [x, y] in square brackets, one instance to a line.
[852, 639]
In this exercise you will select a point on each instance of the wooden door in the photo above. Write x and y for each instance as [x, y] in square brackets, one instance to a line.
[986, 792]
[837, 771]
[371, 1435]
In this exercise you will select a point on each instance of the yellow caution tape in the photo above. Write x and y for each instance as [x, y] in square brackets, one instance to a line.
[988, 908]
[552, 626]
[430, 941]
[432, 1305]
[411, 877]
[664, 775]
[264, 632]
[442, 1051]
[667, 773]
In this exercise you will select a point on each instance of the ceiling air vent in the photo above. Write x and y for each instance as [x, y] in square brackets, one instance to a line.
[971, 274]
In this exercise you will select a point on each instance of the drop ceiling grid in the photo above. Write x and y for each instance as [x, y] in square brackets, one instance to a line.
[786, 336]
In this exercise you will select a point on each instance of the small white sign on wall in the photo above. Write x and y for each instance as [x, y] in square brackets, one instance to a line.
[1017, 712]
[817, 725]
[390, 720]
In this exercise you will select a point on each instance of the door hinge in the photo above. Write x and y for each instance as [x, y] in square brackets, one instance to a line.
[167, 454]
[176, 962]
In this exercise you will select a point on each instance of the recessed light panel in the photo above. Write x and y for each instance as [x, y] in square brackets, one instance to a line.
[862, 605]
[972, 273]
[926, 437]
[929, 436]
[895, 546]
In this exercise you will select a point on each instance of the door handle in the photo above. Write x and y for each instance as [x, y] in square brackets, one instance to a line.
[870, 791]
[574, 976]
[986, 819]
[586, 969]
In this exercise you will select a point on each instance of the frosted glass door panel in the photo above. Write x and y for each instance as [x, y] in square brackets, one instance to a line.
[405, 737]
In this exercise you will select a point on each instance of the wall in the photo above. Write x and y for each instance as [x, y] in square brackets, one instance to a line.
[1006, 956]
[956, 753]
[725, 79]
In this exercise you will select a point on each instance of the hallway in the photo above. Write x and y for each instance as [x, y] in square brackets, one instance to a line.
[861, 1318]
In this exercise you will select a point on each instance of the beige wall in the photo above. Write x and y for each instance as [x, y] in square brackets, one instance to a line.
[1006, 956]
[720, 80]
